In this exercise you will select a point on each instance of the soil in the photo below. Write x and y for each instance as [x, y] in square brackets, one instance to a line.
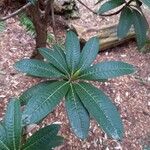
[131, 94]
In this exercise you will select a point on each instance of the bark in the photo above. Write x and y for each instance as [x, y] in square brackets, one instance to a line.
[40, 24]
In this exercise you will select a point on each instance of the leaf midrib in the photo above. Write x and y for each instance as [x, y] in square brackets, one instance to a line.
[76, 107]
[92, 45]
[102, 70]
[46, 100]
[30, 145]
[58, 63]
[97, 105]
[46, 69]
[4, 145]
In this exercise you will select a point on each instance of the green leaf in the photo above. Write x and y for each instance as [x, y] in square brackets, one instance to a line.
[89, 53]
[46, 139]
[12, 123]
[106, 70]
[109, 5]
[141, 27]
[31, 92]
[56, 57]
[38, 68]
[125, 22]
[41, 104]
[101, 108]
[2, 26]
[146, 2]
[3, 143]
[72, 50]
[77, 114]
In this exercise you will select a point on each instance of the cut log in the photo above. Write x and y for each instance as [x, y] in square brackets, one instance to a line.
[107, 35]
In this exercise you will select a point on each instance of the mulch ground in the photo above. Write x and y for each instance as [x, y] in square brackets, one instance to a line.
[131, 94]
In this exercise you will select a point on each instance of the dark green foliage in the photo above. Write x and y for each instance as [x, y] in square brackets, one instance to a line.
[77, 113]
[46, 139]
[12, 124]
[131, 15]
[109, 5]
[81, 98]
[106, 70]
[38, 68]
[43, 103]
[141, 27]
[11, 135]
[101, 108]
[72, 45]
[89, 53]
[125, 22]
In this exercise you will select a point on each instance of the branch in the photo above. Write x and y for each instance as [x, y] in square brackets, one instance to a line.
[87, 7]
[16, 12]
[105, 15]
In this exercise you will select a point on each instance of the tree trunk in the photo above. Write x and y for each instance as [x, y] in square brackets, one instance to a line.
[41, 38]
[41, 30]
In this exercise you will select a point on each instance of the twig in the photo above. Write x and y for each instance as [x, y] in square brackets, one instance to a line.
[87, 7]
[16, 12]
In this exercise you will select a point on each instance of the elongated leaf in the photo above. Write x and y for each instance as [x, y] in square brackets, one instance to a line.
[41, 104]
[72, 50]
[3, 143]
[12, 123]
[46, 139]
[125, 22]
[89, 53]
[109, 5]
[38, 68]
[141, 27]
[77, 114]
[146, 2]
[106, 70]
[31, 92]
[55, 56]
[101, 108]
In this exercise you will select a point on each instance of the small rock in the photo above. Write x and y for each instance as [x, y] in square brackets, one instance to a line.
[127, 94]
[106, 53]
[124, 55]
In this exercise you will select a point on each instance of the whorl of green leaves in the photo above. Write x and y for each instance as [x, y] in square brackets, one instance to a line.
[68, 71]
